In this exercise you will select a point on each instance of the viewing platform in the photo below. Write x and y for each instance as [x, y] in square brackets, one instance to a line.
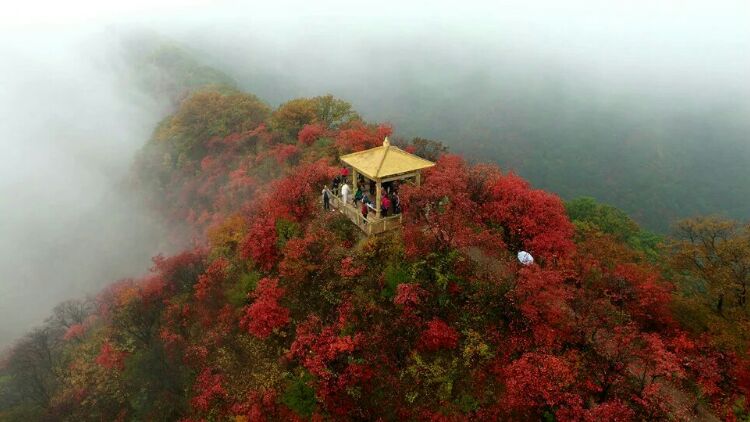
[369, 225]
[377, 166]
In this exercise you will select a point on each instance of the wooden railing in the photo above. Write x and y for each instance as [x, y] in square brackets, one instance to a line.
[369, 225]
[384, 224]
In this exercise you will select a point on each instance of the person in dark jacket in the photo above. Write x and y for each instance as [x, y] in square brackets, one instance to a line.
[335, 184]
[326, 199]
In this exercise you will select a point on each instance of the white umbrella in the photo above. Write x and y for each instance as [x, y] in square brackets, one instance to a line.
[525, 258]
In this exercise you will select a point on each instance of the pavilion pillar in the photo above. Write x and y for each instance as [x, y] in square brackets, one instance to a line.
[419, 178]
[377, 199]
[354, 180]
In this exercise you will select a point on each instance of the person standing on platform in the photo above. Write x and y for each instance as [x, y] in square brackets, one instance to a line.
[335, 185]
[385, 204]
[345, 193]
[358, 195]
[326, 199]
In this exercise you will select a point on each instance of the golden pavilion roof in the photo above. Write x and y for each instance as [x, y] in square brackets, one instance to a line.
[385, 161]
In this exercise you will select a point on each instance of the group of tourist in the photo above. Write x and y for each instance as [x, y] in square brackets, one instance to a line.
[390, 204]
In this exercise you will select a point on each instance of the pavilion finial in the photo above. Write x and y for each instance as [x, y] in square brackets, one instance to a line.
[386, 142]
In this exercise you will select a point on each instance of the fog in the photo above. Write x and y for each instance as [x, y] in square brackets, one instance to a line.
[70, 126]
[643, 105]
[518, 83]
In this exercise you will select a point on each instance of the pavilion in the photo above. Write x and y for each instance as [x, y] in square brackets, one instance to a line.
[383, 164]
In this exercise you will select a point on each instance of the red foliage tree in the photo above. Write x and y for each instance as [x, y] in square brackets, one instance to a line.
[75, 331]
[614, 411]
[265, 315]
[327, 355]
[531, 219]
[311, 133]
[537, 381]
[357, 136]
[349, 269]
[111, 358]
[281, 153]
[440, 214]
[409, 294]
[181, 269]
[438, 335]
[213, 277]
[542, 298]
[260, 243]
[208, 388]
[316, 346]
[648, 298]
[295, 197]
[302, 257]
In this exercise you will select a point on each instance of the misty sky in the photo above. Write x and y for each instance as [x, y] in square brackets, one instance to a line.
[69, 130]
[71, 120]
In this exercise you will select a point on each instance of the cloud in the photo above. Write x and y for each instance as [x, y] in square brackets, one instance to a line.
[70, 128]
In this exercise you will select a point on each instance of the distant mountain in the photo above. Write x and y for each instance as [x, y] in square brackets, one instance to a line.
[656, 149]
[165, 69]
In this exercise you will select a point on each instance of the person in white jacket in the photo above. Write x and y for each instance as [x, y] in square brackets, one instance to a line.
[345, 193]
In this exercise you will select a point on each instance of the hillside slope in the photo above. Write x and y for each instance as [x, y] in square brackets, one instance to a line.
[282, 311]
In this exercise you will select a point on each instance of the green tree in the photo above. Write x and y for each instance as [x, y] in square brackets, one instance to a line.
[428, 148]
[167, 69]
[205, 115]
[327, 110]
[716, 251]
[711, 263]
[588, 214]
[31, 374]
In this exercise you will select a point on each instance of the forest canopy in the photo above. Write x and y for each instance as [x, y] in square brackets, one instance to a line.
[283, 311]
